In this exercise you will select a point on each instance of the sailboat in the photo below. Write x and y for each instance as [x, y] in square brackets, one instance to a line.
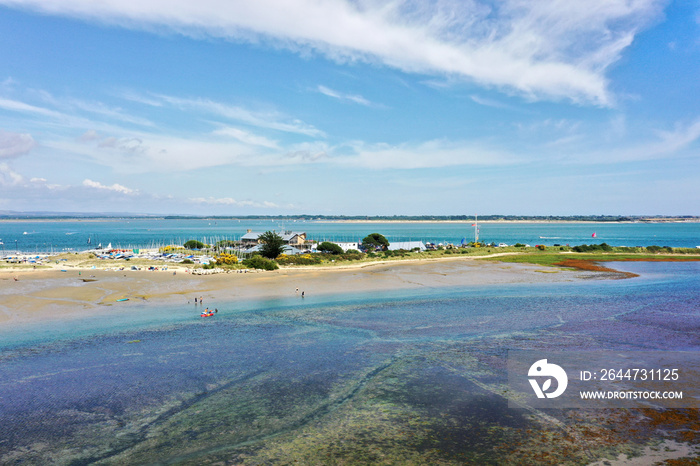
[593, 235]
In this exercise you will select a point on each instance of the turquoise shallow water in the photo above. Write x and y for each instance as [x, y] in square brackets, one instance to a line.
[261, 377]
[73, 235]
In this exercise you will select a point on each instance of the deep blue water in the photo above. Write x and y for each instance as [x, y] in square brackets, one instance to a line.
[275, 365]
[73, 235]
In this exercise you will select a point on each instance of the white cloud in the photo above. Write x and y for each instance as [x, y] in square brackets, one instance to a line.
[554, 49]
[115, 187]
[679, 138]
[15, 144]
[8, 177]
[358, 99]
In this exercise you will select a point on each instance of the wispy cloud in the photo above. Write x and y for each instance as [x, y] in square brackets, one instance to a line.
[22, 107]
[488, 102]
[261, 119]
[430, 154]
[228, 201]
[659, 144]
[556, 49]
[358, 99]
[247, 137]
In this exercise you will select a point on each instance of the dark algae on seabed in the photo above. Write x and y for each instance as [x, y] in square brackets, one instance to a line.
[402, 378]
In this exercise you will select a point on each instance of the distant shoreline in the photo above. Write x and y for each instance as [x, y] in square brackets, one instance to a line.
[356, 221]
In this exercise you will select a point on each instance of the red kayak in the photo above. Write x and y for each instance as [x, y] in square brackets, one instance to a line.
[207, 314]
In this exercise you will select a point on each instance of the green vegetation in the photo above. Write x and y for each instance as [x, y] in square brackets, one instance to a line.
[375, 241]
[320, 258]
[194, 244]
[330, 248]
[260, 262]
[272, 244]
[592, 247]
[300, 259]
[226, 259]
[596, 254]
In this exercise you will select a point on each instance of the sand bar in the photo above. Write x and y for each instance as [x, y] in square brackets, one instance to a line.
[45, 294]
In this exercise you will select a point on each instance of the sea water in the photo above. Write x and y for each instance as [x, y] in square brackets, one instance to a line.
[78, 235]
[403, 376]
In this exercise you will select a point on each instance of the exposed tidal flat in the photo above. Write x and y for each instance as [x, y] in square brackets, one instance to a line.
[391, 364]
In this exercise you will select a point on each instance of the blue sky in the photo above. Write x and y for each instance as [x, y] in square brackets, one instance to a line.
[350, 107]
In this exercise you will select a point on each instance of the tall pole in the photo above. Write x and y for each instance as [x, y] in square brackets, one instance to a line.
[476, 228]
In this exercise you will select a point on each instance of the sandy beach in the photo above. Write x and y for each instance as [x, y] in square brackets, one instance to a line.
[45, 294]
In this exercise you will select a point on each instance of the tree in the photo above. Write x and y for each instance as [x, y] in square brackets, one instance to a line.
[329, 247]
[193, 244]
[272, 244]
[375, 240]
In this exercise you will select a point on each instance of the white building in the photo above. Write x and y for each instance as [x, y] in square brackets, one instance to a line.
[346, 246]
[406, 245]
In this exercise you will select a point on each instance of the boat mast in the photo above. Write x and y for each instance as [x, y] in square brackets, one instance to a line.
[476, 228]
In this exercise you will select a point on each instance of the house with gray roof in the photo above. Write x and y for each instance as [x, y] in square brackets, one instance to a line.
[292, 238]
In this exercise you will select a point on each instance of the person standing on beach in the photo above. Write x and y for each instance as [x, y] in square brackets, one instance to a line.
[302, 294]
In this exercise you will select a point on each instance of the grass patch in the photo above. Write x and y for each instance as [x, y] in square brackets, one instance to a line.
[588, 261]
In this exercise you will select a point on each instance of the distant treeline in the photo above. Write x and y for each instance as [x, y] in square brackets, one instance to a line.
[438, 218]
[406, 218]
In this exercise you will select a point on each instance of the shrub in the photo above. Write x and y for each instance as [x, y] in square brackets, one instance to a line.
[518, 245]
[329, 247]
[299, 259]
[226, 259]
[259, 262]
[592, 247]
[352, 255]
[187, 261]
[541, 247]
